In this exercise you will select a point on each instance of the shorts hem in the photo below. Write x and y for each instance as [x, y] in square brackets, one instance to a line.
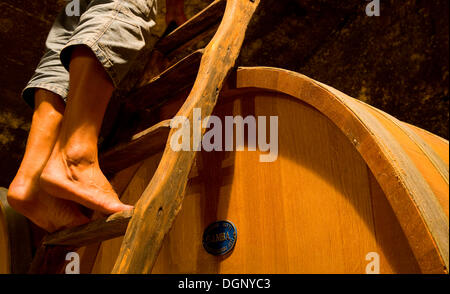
[29, 90]
[101, 55]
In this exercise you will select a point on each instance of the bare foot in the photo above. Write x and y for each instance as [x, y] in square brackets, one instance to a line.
[77, 177]
[49, 213]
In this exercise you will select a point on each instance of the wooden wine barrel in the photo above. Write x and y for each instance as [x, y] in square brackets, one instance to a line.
[351, 184]
[5, 263]
[15, 239]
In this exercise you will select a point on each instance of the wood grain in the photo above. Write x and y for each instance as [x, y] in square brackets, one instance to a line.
[199, 42]
[439, 145]
[96, 231]
[430, 166]
[415, 205]
[175, 79]
[397, 256]
[109, 250]
[439, 164]
[317, 209]
[17, 243]
[290, 214]
[49, 260]
[5, 251]
[162, 199]
[194, 26]
[140, 146]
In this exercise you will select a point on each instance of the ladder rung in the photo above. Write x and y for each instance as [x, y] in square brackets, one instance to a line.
[99, 230]
[141, 146]
[193, 27]
[176, 78]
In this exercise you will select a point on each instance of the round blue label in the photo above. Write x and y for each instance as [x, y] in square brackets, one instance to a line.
[219, 238]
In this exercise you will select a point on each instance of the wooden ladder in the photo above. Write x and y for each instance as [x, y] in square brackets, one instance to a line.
[205, 70]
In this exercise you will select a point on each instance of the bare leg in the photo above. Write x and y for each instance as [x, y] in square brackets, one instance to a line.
[73, 171]
[24, 193]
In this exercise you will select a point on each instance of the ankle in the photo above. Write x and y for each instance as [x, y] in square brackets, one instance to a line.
[27, 175]
[47, 112]
[73, 162]
[79, 154]
[20, 195]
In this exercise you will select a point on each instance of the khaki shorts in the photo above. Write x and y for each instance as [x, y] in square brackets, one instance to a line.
[121, 33]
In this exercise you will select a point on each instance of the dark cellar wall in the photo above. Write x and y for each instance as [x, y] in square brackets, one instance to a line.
[398, 62]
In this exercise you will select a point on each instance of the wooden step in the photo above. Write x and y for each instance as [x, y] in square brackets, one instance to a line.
[50, 256]
[97, 231]
[173, 80]
[198, 24]
[139, 147]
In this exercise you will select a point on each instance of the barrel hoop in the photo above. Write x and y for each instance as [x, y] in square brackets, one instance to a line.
[435, 159]
[421, 193]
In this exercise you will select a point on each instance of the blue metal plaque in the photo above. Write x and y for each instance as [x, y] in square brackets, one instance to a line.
[219, 238]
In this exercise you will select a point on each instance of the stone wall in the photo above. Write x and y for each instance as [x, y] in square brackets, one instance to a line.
[24, 25]
[398, 62]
